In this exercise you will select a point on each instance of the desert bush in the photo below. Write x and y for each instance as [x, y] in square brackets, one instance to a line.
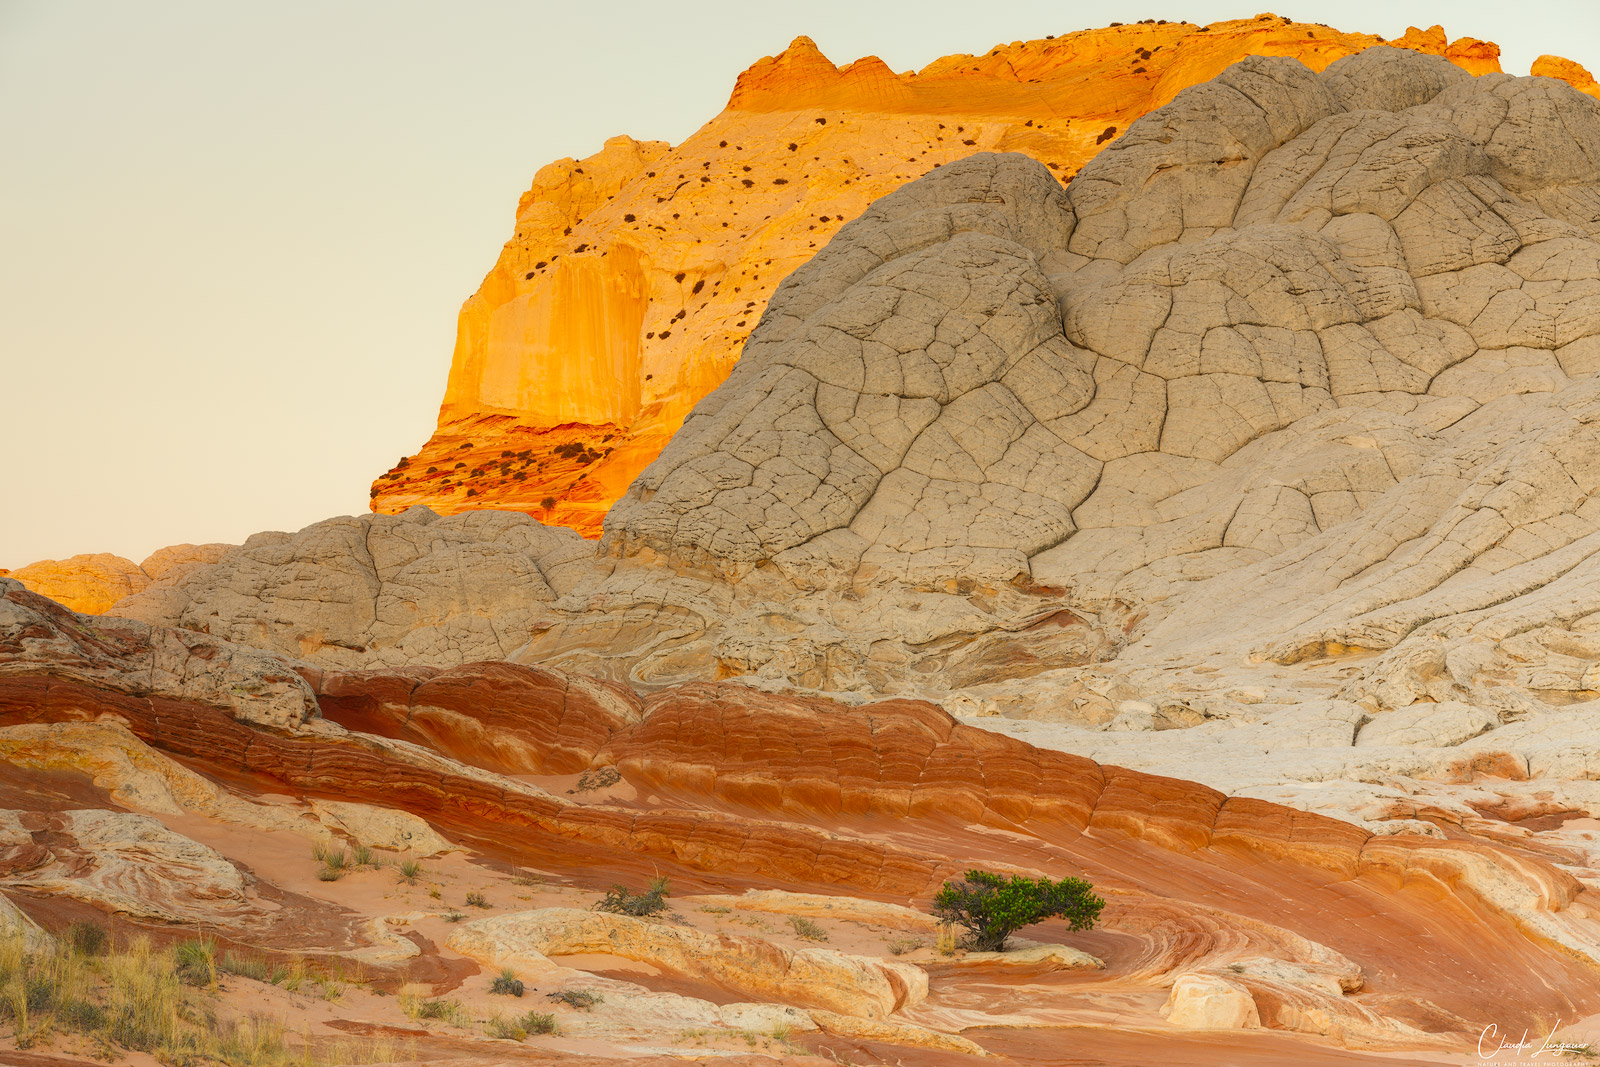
[478, 900]
[540, 1022]
[88, 938]
[992, 907]
[500, 1028]
[443, 1009]
[807, 929]
[410, 871]
[582, 999]
[621, 901]
[506, 983]
[364, 856]
[901, 945]
[196, 962]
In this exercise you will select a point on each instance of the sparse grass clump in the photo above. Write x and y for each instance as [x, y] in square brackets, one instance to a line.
[806, 929]
[540, 1022]
[364, 857]
[410, 871]
[619, 900]
[901, 945]
[498, 1027]
[335, 862]
[453, 916]
[478, 900]
[131, 997]
[197, 962]
[443, 1009]
[582, 999]
[507, 984]
[245, 967]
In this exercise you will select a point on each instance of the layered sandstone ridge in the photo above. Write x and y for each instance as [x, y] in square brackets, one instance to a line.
[635, 275]
[1301, 924]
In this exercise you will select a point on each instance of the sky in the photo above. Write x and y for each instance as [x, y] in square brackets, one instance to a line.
[234, 236]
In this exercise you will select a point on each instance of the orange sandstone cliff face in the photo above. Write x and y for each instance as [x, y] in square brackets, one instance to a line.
[635, 275]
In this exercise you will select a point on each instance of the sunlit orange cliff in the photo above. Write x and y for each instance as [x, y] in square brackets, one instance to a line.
[634, 276]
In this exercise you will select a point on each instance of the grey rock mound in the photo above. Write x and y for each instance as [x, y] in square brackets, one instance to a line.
[376, 589]
[1326, 341]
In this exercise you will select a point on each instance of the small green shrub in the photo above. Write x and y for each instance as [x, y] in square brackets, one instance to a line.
[329, 874]
[478, 900]
[582, 999]
[410, 871]
[992, 907]
[620, 901]
[453, 917]
[364, 857]
[499, 1028]
[507, 984]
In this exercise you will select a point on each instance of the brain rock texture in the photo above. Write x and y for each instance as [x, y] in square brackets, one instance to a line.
[1303, 359]
[1286, 313]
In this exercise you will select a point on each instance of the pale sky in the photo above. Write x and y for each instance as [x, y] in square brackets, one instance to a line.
[234, 236]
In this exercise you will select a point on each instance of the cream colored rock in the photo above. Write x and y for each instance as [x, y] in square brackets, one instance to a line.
[376, 589]
[386, 828]
[894, 1032]
[817, 905]
[809, 977]
[1207, 1002]
[14, 922]
[139, 660]
[1025, 953]
[136, 775]
[132, 864]
[1433, 725]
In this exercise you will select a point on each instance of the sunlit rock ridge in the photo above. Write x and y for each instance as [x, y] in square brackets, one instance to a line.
[635, 276]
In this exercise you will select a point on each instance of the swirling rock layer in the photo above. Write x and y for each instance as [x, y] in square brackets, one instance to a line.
[1326, 929]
